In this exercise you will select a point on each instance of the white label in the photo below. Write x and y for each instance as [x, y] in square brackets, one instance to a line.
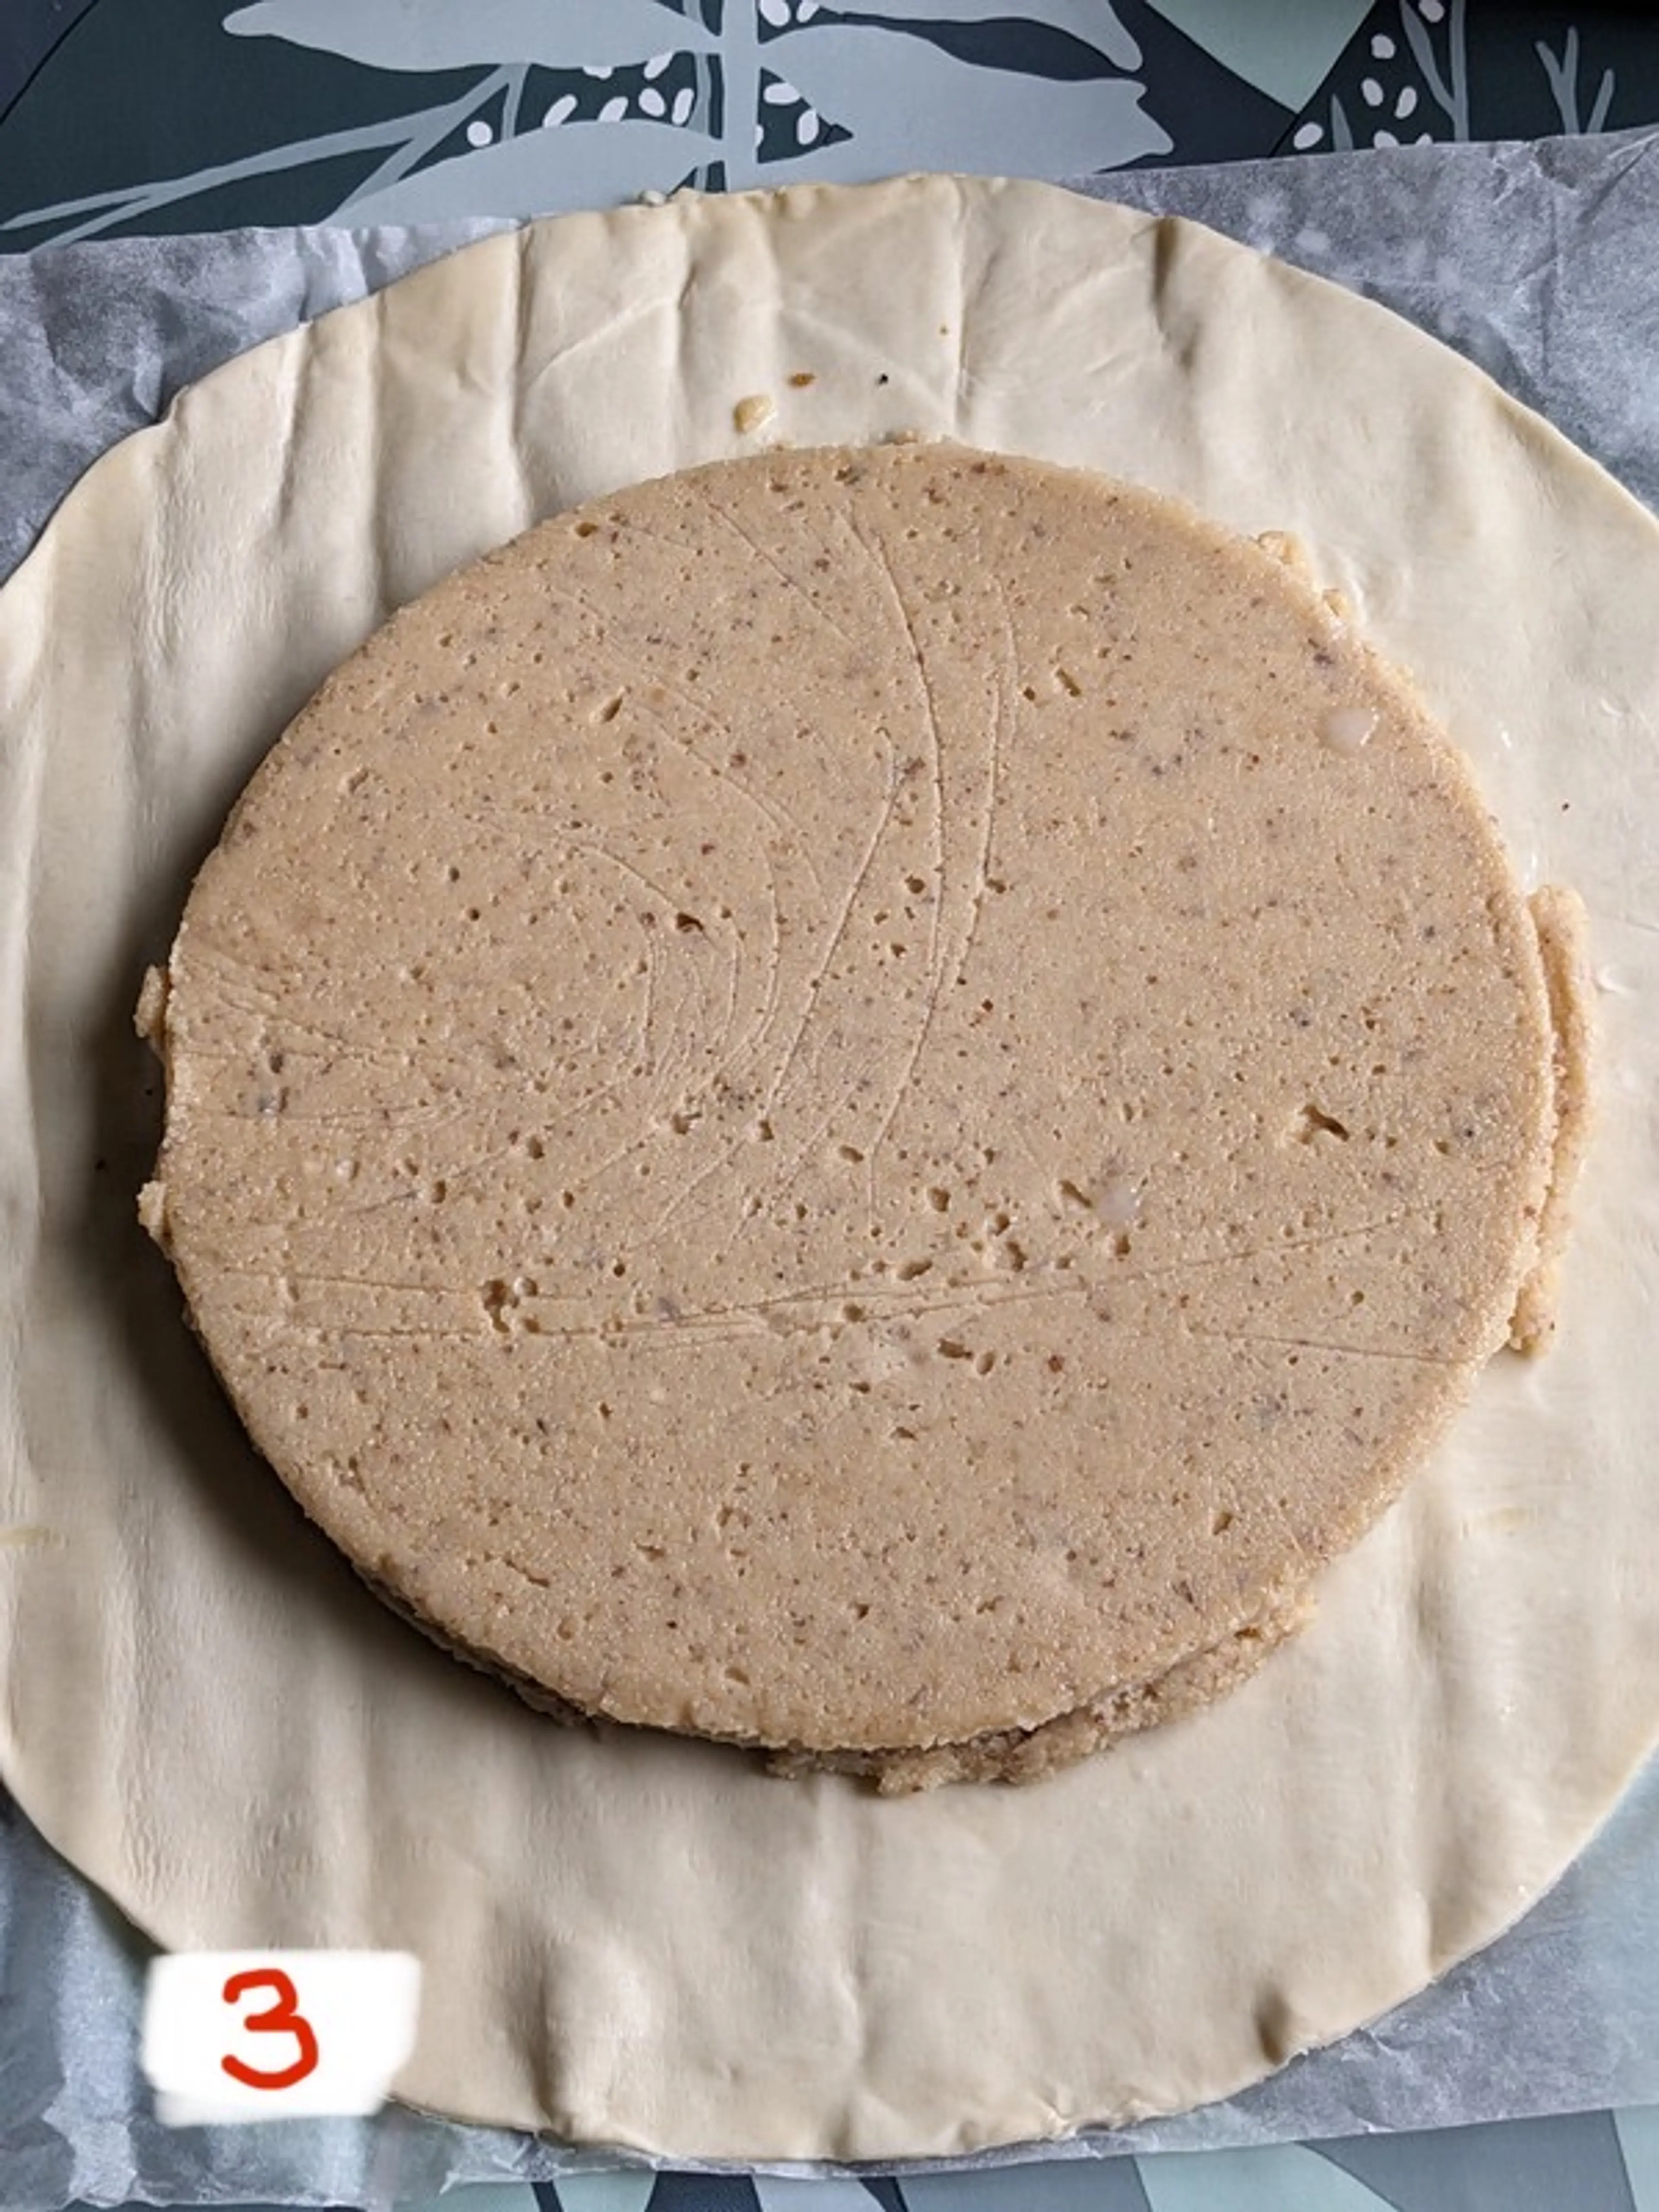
[267, 2035]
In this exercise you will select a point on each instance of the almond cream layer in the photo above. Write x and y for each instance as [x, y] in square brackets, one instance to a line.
[856, 1101]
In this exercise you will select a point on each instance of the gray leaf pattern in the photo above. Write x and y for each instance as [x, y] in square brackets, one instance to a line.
[787, 89]
[938, 113]
[559, 33]
[1562, 72]
[1086, 20]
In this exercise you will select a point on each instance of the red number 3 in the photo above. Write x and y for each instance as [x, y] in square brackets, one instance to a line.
[284, 2018]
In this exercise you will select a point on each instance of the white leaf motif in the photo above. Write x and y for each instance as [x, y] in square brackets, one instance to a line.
[1092, 21]
[605, 2192]
[412, 34]
[911, 105]
[580, 165]
[781, 2196]
[1268, 2177]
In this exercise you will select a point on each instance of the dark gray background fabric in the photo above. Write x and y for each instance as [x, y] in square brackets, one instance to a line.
[101, 96]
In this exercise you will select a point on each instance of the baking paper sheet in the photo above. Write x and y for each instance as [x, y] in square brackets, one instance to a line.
[1541, 264]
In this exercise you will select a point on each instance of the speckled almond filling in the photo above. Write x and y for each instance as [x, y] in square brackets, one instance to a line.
[858, 1101]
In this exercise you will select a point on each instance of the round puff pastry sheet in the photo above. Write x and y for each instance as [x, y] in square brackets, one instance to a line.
[650, 1943]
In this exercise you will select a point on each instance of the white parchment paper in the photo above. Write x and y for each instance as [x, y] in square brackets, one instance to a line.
[1541, 264]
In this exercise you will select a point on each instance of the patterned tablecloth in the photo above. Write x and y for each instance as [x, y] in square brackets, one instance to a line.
[124, 116]
[131, 117]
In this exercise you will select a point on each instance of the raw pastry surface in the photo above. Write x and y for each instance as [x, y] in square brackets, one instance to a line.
[654, 1943]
